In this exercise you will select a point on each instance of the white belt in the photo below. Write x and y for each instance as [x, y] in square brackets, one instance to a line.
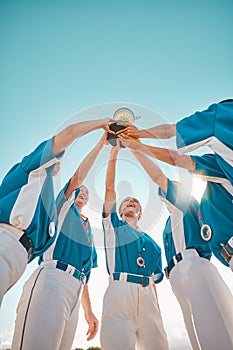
[67, 268]
[53, 263]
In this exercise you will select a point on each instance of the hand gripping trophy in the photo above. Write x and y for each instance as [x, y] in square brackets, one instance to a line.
[122, 116]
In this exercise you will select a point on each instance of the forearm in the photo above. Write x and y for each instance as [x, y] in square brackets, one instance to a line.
[87, 164]
[164, 131]
[110, 194]
[110, 175]
[89, 316]
[83, 169]
[62, 140]
[169, 156]
[85, 300]
[152, 170]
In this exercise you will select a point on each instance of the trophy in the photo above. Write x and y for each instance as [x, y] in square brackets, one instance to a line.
[122, 116]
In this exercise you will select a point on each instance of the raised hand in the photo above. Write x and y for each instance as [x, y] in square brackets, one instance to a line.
[131, 143]
[130, 131]
[106, 126]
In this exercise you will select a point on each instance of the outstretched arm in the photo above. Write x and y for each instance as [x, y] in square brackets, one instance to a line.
[163, 131]
[85, 166]
[165, 155]
[110, 194]
[62, 140]
[92, 321]
[152, 170]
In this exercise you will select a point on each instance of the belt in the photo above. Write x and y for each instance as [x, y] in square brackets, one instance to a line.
[138, 279]
[227, 250]
[27, 244]
[179, 257]
[71, 270]
[24, 240]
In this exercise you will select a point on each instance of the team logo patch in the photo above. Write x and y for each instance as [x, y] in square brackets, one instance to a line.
[51, 229]
[206, 232]
[140, 262]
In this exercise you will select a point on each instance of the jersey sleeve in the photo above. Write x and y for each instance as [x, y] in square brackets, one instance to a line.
[42, 155]
[207, 166]
[94, 263]
[158, 273]
[176, 197]
[111, 221]
[196, 128]
[94, 257]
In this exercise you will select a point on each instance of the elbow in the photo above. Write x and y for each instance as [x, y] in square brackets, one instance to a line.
[109, 189]
[170, 131]
[174, 160]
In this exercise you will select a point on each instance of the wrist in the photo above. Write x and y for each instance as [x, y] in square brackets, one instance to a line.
[143, 133]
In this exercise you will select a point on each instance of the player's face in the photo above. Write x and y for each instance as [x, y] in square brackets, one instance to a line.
[130, 207]
[83, 197]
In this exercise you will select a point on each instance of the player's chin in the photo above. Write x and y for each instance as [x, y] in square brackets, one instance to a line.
[130, 212]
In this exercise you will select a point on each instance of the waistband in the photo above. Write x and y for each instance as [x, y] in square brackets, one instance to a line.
[144, 281]
[184, 254]
[21, 236]
[69, 269]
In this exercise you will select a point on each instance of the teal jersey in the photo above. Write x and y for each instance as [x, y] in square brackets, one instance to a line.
[123, 246]
[74, 243]
[182, 229]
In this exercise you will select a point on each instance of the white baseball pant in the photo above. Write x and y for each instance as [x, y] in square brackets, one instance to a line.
[131, 318]
[13, 258]
[47, 314]
[206, 303]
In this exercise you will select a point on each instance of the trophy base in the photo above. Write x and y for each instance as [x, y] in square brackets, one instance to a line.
[113, 138]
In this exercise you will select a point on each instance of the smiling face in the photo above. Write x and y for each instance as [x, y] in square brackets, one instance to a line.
[83, 197]
[130, 207]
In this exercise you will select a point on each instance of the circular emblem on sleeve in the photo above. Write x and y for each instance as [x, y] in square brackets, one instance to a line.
[51, 229]
[206, 232]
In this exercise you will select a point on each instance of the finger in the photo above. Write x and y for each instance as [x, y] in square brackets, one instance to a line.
[90, 331]
[118, 144]
[123, 136]
[111, 131]
[95, 330]
[122, 131]
[124, 142]
[108, 130]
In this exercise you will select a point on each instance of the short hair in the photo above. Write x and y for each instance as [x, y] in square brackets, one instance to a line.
[136, 200]
[229, 100]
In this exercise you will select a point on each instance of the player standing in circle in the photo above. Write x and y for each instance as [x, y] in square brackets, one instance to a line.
[47, 313]
[200, 290]
[213, 128]
[131, 316]
[27, 204]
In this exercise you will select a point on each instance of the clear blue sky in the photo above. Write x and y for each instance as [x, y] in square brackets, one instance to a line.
[59, 57]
